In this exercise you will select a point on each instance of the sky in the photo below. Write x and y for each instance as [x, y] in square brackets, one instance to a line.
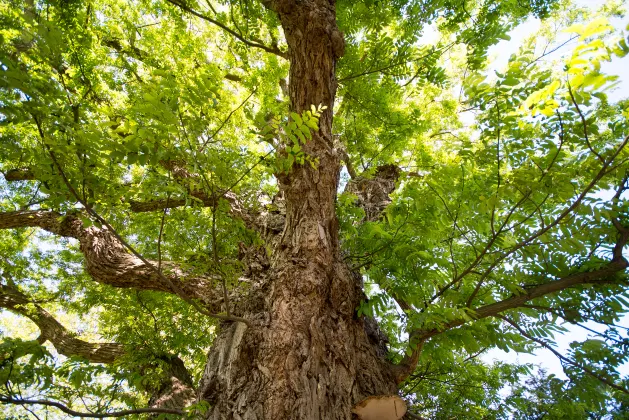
[544, 358]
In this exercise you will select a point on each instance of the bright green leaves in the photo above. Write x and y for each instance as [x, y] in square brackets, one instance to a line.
[584, 79]
[543, 100]
[543, 395]
[30, 359]
[142, 103]
[288, 138]
[117, 91]
[597, 26]
[300, 126]
[495, 211]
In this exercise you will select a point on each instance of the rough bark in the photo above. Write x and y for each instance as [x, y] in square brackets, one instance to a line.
[108, 262]
[51, 330]
[20, 174]
[304, 354]
[175, 390]
[373, 192]
[307, 356]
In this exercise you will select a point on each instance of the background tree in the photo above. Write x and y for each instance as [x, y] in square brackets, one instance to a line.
[177, 222]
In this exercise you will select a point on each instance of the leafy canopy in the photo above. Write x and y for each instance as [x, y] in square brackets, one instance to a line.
[510, 178]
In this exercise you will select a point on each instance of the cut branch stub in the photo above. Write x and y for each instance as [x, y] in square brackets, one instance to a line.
[374, 192]
[380, 407]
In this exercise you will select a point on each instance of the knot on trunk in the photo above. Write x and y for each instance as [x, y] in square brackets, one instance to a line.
[373, 193]
[254, 259]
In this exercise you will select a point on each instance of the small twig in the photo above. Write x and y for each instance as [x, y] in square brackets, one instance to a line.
[220, 127]
[272, 50]
[147, 309]
[585, 127]
[348, 164]
[161, 232]
[545, 53]
[244, 174]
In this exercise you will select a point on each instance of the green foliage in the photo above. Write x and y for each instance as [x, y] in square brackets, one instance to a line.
[492, 163]
[547, 396]
[289, 137]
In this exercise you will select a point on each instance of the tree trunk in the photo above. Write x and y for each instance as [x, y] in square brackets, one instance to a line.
[307, 356]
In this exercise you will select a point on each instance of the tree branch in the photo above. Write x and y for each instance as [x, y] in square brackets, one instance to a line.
[605, 169]
[272, 50]
[108, 261]
[585, 127]
[587, 370]
[173, 391]
[51, 330]
[123, 413]
[604, 275]
[252, 220]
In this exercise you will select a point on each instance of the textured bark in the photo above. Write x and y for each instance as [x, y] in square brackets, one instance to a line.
[175, 390]
[306, 356]
[51, 330]
[373, 192]
[108, 262]
[253, 220]
[303, 354]
[21, 174]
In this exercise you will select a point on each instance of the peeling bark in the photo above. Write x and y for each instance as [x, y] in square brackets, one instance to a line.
[373, 192]
[20, 174]
[306, 356]
[303, 353]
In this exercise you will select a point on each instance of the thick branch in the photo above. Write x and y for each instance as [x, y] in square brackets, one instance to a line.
[108, 261]
[51, 330]
[602, 276]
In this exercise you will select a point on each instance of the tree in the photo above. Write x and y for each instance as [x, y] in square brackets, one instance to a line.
[174, 182]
